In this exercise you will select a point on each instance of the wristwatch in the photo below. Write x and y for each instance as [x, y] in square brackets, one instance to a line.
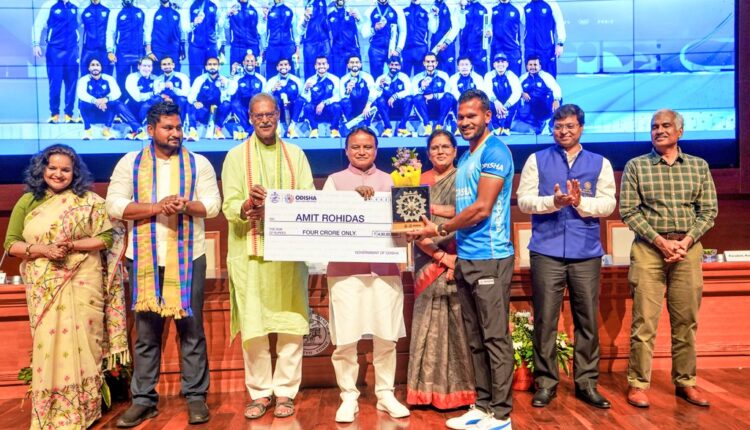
[441, 230]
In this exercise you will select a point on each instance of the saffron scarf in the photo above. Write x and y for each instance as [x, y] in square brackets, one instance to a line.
[256, 175]
[172, 299]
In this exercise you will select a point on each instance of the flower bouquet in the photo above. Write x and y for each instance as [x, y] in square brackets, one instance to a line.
[522, 332]
[408, 168]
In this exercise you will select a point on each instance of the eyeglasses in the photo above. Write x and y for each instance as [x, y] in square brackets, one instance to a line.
[263, 115]
[568, 127]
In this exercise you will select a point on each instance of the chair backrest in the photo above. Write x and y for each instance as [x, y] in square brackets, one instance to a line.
[619, 240]
[521, 238]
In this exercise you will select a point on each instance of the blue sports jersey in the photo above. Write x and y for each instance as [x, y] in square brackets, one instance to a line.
[94, 19]
[98, 88]
[317, 27]
[62, 26]
[166, 34]
[506, 28]
[243, 27]
[279, 26]
[323, 89]
[417, 33]
[381, 39]
[204, 35]
[540, 26]
[344, 32]
[129, 32]
[488, 239]
[444, 23]
[248, 86]
[472, 33]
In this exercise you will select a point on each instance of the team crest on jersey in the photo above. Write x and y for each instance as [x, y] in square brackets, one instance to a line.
[287, 13]
[104, 14]
[494, 12]
[104, 86]
[544, 10]
[211, 9]
[91, 88]
[58, 11]
[333, 19]
[138, 15]
[512, 14]
[528, 10]
[123, 17]
[539, 84]
[158, 17]
[243, 85]
[87, 14]
[174, 17]
[256, 85]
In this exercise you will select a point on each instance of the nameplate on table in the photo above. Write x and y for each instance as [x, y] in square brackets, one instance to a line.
[324, 226]
[734, 256]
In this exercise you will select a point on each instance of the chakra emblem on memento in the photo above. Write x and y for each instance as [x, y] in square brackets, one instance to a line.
[410, 206]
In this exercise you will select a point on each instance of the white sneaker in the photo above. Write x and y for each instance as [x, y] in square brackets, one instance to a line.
[492, 423]
[388, 403]
[347, 411]
[468, 420]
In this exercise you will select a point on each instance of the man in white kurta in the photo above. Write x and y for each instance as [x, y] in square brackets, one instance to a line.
[266, 296]
[366, 300]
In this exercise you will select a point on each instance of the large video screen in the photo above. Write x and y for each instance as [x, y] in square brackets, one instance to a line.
[620, 60]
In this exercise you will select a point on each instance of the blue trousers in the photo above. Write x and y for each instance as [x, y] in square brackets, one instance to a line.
[414, 60]
[148, 345]
[331, 112]
[237, 53]
[276, 53]
[444, 105]
[339, 59]
[93, 115]
[447, 59]
[62, 68]
[378, 58]
[203, 115]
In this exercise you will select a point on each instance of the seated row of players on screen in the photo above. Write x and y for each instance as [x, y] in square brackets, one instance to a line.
[523, 104]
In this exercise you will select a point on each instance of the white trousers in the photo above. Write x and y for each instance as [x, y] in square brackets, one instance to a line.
[260, 379]
[345, 365]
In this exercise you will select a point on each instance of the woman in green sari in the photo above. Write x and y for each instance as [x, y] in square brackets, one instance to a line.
[76, 306]
[439, 369]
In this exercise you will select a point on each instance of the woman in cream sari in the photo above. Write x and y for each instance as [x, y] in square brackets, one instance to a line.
[76, 305]
[439, 370]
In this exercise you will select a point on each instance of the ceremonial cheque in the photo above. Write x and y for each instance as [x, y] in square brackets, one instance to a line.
[330, 226]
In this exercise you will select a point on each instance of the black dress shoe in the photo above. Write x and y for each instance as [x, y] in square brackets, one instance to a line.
[543, 396]
[136, 414]
[197, 412]
[593, 398]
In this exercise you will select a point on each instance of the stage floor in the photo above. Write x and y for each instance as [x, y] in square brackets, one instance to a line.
[726, 388]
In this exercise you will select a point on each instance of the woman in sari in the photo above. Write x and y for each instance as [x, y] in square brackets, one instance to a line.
[60, 228]
[439, 373]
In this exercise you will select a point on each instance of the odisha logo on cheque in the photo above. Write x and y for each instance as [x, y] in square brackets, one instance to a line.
[291, 198]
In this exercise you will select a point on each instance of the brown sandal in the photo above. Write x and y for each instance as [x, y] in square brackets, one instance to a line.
[260, 406]
[288, 404]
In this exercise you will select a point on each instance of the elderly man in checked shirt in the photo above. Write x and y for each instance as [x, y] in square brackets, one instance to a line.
[668, 199]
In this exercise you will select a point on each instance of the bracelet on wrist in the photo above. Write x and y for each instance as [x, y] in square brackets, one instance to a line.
[28, 249]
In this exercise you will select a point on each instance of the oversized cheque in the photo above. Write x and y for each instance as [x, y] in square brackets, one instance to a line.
[326, 226]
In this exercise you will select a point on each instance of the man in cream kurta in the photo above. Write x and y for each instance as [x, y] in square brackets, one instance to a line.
[266, 296]
[365, 299]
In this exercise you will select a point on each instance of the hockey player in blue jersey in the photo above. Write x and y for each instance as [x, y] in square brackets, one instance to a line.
[204, 23]
[545, 33]
[315, 34]
[210, 95]
[94, 19]
[443, 40]
[245, 30]
[125, 39]
[504, 91]
[432, 93]
[358, 91]
[175, 87]
[165, 34]
[420, 23]
[287, 90]
[321, 93]
[282, 38]
[139, 86]
[507, 27]
[99, 102]
[343, 24]
[385, 26]
[60, 19]
[540, 98]
[465, 79]
[473, 20]
[394, 97]
[249, 83]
